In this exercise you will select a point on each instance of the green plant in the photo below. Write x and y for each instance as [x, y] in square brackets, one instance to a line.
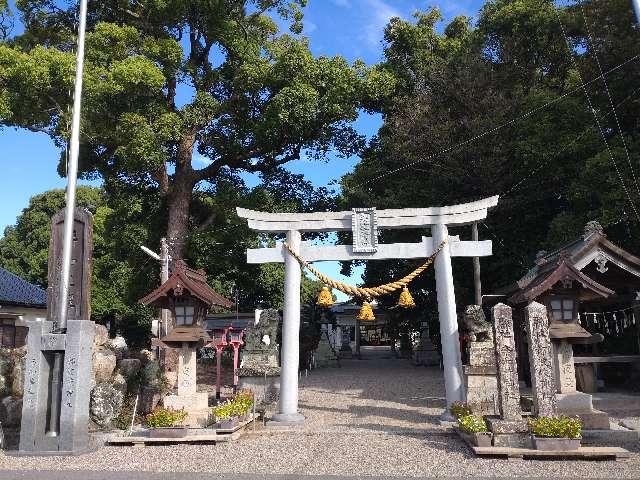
[472, 424]
[165, 417]
[223, 411]
[460, 409]
[556, 427]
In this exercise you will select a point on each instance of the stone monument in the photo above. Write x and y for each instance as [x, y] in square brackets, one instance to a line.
[426, 353]
[509, 429]
[543, 381]
[55, 404]
[481, 384]
[259, 368]
[325, 355]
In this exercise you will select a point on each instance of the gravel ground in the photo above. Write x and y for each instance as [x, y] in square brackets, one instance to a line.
[374, 416]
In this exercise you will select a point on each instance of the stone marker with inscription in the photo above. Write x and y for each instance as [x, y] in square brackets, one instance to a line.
[55, 411]
[510, 428]
[543, 380]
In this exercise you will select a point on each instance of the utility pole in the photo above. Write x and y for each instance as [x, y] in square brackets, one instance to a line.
[163, 258]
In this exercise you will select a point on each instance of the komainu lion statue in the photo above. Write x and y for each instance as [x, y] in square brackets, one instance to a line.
[476, 324]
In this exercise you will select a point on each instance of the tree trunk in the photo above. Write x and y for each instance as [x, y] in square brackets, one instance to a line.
[179, 201]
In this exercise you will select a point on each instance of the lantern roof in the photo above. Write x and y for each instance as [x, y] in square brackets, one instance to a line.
[185, 280]
[193, 334]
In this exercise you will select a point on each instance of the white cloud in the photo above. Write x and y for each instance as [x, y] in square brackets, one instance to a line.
[380, 14]
[309, 27]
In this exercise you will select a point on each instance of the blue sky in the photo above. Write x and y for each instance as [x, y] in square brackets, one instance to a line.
[351, 28]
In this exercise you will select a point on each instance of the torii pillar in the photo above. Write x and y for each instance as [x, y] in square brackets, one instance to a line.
[364, 223]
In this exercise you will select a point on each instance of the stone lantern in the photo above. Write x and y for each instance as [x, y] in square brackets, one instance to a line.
[188, 296]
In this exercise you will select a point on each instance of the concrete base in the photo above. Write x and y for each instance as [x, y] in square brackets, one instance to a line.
[499, 426]
[285, 420]
[593, 420]
[196, 405]
[447, 420]
[610, 437]
[512, 440]
[266, 389]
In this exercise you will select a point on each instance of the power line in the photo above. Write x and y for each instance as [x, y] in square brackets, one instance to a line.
[606, 86]
[595, 116]
[499, 127]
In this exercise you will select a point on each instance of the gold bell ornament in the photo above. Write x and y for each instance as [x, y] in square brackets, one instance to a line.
[325, 299]
[406, 300]
[366, 312]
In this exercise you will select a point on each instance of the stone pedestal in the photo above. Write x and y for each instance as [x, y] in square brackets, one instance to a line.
[71, 407]
[325, 356]
[195, 403]
[265, 388]
[481, 383]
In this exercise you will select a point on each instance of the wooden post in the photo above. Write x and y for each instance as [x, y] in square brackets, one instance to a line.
[218, 370]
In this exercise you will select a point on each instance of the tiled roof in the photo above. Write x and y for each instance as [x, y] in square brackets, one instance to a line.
[17, 291]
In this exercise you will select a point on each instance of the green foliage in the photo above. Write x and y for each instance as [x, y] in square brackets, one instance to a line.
[165, 417]
[239, 405]
[460, 409]
[259, 98]
[472, 424]
[556, 427]
[486, 109]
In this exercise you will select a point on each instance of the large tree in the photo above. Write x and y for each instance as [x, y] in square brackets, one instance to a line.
[178, 93]
[498, 108]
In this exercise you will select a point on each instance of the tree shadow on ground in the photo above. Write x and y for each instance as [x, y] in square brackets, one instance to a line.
[363, 411]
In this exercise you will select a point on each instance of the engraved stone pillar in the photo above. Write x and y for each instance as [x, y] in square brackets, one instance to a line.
[187, 370]
[540, 358]
[565, 369]
[508, 387]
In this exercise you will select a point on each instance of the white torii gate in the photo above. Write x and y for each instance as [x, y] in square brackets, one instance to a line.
[364, 222]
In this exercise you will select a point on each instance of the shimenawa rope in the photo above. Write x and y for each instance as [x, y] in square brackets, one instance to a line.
[366, 292]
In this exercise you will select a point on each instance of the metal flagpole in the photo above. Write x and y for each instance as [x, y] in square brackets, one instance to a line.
[72, 174]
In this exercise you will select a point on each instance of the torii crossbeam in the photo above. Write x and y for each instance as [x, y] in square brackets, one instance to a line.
[364, 223]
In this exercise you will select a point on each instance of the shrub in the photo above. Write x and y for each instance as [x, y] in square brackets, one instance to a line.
[460, 409]
[556, 427]
[165, 417]
[236, 407]
[223, 411]
[472, 424]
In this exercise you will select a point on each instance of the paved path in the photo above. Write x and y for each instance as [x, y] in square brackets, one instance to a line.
[373, 417]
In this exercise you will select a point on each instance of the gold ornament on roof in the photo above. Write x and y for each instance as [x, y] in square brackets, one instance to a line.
[325, 299]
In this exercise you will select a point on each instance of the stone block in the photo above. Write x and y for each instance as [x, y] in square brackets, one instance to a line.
[497, 425]
[594, 420]
[570, 403]
[10, 411]
[104, 364]
[482, 392]
[266, 389]
[105, 405]
[543, 381]
[196, 405]
[101, 337]
[512, 440]
[505, 351]
[482, 354]
[129, 367]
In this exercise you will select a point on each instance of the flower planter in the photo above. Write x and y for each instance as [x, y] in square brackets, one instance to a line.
[227, 424]
[479, 439]
[168, 432]
[556, 444]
